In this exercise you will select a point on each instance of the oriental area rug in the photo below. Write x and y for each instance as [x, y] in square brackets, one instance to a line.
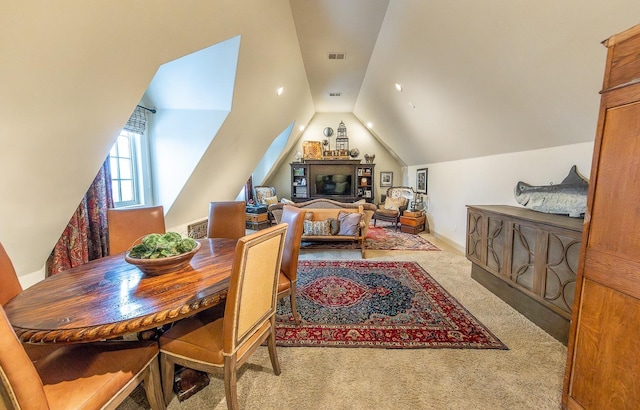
[381, 238]
[393, 305]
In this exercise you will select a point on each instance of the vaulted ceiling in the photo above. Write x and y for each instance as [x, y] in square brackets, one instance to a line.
[478, 78]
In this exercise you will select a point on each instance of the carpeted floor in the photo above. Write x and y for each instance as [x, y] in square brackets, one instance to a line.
[377, 304]
[528, 376]
[383, 238]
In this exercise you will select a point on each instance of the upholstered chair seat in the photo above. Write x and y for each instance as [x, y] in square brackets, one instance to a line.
[393, 204]
[227, 219]
[288, 277]
[126, 225]
[80, 376]
[208, 343]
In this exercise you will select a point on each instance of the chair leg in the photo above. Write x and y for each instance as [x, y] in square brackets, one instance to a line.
[153, 388]
[230, 382]
[294, 305]
[168, 372]
[271, 345]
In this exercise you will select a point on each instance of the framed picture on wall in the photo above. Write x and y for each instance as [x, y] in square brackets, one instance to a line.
[421, 180]
[386, 178]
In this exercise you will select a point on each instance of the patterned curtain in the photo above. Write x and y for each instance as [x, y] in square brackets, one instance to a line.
[248, 190]
[85, 237]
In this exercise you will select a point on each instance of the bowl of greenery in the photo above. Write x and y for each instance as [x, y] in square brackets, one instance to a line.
[162, 253]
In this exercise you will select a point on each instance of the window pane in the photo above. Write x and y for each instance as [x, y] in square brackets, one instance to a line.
[127, 190]
[116, 192]
[123, 147]
[125, 168]
[113, 162]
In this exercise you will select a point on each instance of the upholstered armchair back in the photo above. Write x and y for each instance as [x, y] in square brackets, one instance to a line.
[399, 192]
[262, 192]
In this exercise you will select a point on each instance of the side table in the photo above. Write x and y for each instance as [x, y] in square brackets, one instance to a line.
[256, 221]
[411, 223]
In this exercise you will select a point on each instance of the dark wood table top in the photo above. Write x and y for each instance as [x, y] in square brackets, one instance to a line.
[109, 297]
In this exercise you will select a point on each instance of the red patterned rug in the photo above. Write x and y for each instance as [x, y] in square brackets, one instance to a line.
[377, 304]
[381, 238]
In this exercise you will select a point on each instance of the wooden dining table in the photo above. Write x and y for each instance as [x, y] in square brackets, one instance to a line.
[108, 297]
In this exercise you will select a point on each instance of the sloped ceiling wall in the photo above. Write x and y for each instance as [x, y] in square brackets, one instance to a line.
[483, 78]
[72, 73]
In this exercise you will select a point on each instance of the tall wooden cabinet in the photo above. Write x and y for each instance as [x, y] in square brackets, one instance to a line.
[603, 361]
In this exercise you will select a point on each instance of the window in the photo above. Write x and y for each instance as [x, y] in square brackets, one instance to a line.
[124, 169]
[129, 161]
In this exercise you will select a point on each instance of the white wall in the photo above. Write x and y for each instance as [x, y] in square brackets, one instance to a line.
[491, 181]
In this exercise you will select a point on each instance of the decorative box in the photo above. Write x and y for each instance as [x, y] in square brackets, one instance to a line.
[412, 229]
[406, 220]
[256, 226]
[248, 217]
[257, 209]
[412, 214]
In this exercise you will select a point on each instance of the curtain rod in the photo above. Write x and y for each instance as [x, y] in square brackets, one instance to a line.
[148, 109]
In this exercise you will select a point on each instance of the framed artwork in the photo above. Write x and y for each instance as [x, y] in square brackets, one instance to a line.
[312, 150]
[386, 178]
[421, 180]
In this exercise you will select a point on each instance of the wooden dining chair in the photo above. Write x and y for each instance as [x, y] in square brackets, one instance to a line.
[249, 318]
[8, 277]
[288, 276]
[126, 225]
[87, 376]
[227, 220]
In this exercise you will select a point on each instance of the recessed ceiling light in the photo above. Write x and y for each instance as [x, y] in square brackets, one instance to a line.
[280, 90]
[399, 87]
[369, 124]
[301, 128]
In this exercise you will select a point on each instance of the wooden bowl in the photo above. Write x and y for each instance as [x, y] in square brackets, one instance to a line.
[160, 266]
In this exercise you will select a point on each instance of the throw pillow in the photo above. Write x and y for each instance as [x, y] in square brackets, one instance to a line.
[361, 201]
[334, 225]
[317, 228]
[349, 222]
[394, 203]
[270, 200]
[287, 201]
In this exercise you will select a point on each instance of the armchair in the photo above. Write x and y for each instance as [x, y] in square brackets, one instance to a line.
[265, 195]
[393, 204]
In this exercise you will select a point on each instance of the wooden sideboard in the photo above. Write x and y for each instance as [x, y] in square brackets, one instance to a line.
[527, 258]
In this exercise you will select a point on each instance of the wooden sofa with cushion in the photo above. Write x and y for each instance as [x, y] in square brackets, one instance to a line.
[327, 220]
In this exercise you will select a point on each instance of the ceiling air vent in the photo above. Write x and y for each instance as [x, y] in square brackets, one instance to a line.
[337, 56]
[338, 94]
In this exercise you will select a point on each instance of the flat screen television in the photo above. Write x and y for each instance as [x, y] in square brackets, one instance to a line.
[333, 184]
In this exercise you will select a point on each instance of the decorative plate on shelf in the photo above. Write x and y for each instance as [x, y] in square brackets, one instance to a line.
[159, 266]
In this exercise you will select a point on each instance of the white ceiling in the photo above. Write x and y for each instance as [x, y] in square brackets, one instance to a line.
[479, 78]
[330, 26]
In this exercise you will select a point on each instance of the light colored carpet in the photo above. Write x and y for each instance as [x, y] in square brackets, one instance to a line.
[528, 376]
